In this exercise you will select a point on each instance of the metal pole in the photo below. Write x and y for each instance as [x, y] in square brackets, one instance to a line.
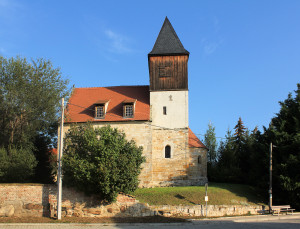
[59, 174]
[206, 199]
[270, 187]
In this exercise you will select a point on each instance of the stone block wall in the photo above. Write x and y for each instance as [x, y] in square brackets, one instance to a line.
[197, 166]
[24, 200]
[169, 171]
[181, 169]
[212, 210]
[76, 204]
[41, 200]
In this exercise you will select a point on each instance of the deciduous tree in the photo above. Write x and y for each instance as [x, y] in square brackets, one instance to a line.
[101, 161]
[29, 99]
[30, 93]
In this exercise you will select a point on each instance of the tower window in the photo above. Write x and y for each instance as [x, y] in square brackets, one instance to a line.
[99, 111]
[168, 151]
[165, 110]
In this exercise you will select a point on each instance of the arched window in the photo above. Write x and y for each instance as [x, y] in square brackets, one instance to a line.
[199, 160]
[168, 151]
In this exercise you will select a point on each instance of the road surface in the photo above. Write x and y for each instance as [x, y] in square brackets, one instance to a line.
[293, 223]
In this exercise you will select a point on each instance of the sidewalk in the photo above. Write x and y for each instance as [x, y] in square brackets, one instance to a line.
[253, 218]
[191, 222]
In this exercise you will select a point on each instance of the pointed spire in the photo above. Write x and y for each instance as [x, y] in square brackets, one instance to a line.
[167, 42]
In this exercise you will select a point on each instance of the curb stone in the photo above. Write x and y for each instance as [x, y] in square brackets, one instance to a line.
[254, 218]
[92, 224]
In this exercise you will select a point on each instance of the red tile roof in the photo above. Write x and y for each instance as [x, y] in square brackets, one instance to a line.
[81, 106]
[194, 141]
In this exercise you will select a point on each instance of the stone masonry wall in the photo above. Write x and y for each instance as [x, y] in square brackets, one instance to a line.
[197, 166]
[212, 210]
[40, 200]
[76, 204]
[24, 200]
[181, 169]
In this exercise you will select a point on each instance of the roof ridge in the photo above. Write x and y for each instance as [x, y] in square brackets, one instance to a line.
[113, 86]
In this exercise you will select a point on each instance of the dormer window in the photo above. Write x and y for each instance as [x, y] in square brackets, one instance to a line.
[128, 111]
[101, 108]
[99, 111]
[128, 108]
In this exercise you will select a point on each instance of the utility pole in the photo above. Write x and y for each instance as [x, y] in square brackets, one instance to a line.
[206, 198]
[60, 153]
[270, 187]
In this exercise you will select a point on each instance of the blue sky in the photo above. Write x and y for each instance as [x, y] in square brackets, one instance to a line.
[244, 55]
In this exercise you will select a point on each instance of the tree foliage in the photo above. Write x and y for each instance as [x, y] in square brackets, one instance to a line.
[47, 161]
[237, 155]
[18, 166]
[226, 168]
[210, 141]
[29, 99]
[101, 161]
[30, 92]
[244, 157]
[284, 132]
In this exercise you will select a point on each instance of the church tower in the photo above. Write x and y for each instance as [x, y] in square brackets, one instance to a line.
[173, 162]
[168, 70]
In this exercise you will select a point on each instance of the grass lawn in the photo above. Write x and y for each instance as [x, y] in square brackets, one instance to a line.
[218, 194]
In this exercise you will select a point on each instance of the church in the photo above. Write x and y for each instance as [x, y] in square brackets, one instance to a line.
[154, 116]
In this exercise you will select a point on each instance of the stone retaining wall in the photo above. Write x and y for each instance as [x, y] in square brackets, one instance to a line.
[212, 210]
[24, 200]
[40, 200]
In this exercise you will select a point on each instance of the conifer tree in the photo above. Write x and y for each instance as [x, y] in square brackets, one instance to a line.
[240, 131]
[284, 132]
[210, 142]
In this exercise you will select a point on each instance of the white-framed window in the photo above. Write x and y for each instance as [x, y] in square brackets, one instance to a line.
[99, 111]
[128, 111]
[168, 151]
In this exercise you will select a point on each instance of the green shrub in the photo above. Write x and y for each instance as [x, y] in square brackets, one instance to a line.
[16, 166]
[101, 161]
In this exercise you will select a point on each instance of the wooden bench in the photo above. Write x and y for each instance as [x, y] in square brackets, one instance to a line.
[282, 208]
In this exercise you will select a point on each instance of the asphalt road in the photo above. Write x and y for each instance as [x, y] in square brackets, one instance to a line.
[293, 223]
